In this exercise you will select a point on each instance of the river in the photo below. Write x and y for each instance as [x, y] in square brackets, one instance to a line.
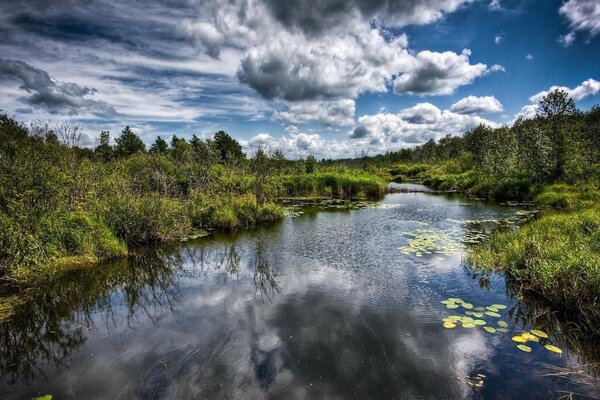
[331, 303]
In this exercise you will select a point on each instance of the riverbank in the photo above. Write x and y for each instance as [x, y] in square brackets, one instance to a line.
[555, 257]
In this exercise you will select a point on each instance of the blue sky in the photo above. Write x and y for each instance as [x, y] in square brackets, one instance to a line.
[325, 77]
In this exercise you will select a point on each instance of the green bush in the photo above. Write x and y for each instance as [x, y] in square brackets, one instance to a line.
[147, 218]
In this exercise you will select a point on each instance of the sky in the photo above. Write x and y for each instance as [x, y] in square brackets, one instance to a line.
[332, 78]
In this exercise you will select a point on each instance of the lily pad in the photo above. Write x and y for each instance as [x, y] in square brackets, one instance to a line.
[479, 322]
[467, 305]
[519, 339]
[477, 314]
[539, 333]
[499, 306]
[504, 330]
[492, 314]
[44, 397]
[452, 306]
[492, 308]
[524, 348]
[502, 324]
[553, 348]
[489, 329]
[449, 325]
[529, 336]
[469, 325]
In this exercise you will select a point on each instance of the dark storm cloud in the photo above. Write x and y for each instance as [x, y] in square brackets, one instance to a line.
[49, 94]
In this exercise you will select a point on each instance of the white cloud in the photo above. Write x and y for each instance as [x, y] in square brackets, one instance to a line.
[477, 105]
[293, 67]
[495, 5]
[583, 15]
[587, 88]
[498, 38]
[529, 56]
[414, 125]
[330, 113]
[435, 73]
[567, 40]
[527, 112]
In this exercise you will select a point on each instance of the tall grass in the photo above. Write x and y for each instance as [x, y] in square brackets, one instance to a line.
[556, 256]
[335, 184]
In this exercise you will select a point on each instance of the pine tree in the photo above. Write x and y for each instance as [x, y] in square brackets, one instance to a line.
[128, 143]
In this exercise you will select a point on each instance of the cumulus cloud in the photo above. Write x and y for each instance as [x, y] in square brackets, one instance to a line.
[331, 113]
[527, 112]
[51, 95]
[294, 68]
[316, 16]
[582, 15]
[433, 73]
[477, 105]
[414, 125]
[587, 88]
[498, 38]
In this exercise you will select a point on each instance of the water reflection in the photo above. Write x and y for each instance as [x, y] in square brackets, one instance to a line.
[323, 306]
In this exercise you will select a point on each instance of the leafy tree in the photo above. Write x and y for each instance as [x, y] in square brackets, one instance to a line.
[229, 149]
[557, 106]
[104, 150]
[557, 103]
[159, 146]
[128, 143]
[310, 164]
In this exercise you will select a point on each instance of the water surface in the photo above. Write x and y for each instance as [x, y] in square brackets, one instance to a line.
[333, 304]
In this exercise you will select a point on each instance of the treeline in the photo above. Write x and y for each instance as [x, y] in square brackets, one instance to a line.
[561, 144]
[62, 203]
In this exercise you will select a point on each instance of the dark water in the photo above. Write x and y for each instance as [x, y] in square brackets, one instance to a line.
[322, 306]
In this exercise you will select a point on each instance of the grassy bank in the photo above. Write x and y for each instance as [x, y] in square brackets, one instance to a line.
[556, 257]
[65, 205]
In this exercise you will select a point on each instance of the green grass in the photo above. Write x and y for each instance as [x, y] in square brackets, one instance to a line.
[335, 184]
[556, 256]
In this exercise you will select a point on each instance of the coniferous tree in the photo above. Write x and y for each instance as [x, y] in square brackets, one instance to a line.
[128, 143]
[159, 146]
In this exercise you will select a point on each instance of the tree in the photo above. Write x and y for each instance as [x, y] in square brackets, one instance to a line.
[159, 146]
[104, 150]
[310, 164]
[557, 103]
[557, 106]
[229, 149]
[128, 143]
[262, 167]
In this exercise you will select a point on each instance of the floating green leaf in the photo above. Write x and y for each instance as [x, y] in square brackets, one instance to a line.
[499, 306]
[467, 305]
[502, 324]
[449, 325]
[524, 348]
[539, 333]
[44, 397]
[492, 314]
[519, 339]
[492, 308]
[469, 325]
[489, 329]
[529, 336]
[504, 330]
[452, 306]
[479, 322]
[553, 348]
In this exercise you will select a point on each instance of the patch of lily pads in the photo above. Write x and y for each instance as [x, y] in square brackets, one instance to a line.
[476, 381]
[473, 315]
[473, 318]
[526, 339]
